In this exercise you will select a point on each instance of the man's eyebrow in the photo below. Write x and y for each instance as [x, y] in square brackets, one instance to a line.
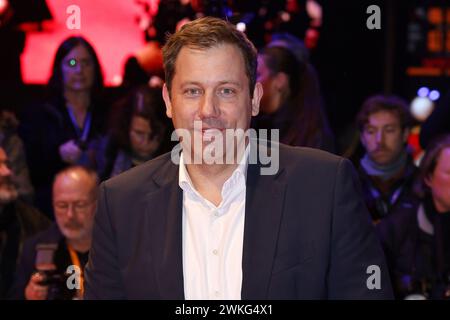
[196, 83]
[238, 84]
[187, 83]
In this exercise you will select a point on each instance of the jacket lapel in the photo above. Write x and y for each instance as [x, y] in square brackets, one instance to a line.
[165, 211]
[263, 211]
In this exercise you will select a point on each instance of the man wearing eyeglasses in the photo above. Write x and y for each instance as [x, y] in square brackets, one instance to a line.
[52, 263]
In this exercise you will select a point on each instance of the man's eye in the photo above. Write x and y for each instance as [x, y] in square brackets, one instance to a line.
[62, 206]
[193, 92]
[390, 129]
[81, 205]
[227, 91]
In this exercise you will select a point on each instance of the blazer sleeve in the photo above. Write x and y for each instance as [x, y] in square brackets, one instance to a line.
[357, 265]
[103, 279]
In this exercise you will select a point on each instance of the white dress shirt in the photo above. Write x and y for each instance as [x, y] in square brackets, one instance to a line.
[213, 237]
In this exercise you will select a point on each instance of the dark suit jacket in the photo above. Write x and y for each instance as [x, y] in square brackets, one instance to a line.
[307, 233]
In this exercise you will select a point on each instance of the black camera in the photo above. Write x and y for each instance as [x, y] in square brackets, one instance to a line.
[57, 285]
[55, 279]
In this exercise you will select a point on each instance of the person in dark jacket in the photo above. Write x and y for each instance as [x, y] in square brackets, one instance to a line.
[386, 170]
[416, 238]
[298, 231]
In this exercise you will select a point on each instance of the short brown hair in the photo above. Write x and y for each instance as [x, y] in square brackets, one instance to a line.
[429, 163]
[388, 103]
[206, 33]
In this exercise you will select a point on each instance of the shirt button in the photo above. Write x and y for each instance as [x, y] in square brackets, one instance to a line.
[215, 252]
[217, 294]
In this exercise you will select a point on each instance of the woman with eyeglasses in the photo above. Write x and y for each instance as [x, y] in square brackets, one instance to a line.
[66, 130]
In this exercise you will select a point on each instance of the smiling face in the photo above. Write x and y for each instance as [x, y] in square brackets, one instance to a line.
[211, 86]
[78, 69]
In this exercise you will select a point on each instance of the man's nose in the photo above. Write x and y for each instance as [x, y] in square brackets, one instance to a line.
[70, 211]
[209, 106]
[379, 137]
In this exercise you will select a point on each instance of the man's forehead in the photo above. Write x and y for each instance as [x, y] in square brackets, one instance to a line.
[68, 182]
[192, 62]
[195, 54]
[383, 116]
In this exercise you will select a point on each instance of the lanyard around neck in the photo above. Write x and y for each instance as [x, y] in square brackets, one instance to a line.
[81, 134]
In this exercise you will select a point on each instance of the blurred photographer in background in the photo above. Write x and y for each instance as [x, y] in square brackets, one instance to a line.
[18, 221]
[416, 239]
[43, 272]
[66, 130]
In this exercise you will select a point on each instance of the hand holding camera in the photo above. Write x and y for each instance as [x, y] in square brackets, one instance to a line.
[35, 289]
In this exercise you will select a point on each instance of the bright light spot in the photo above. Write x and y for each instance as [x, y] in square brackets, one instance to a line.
[285, 16]
[421, 108]
[3, 5]
[314, 11]
[423, 92]
[116, 80]
[241, 26]
[434, 95]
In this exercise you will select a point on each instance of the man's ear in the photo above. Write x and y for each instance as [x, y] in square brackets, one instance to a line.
[257, 95]
[166, 97]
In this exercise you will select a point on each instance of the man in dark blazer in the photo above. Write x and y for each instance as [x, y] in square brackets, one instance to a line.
[301, 232]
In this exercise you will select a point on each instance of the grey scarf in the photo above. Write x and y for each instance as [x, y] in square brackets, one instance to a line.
[384, 172]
